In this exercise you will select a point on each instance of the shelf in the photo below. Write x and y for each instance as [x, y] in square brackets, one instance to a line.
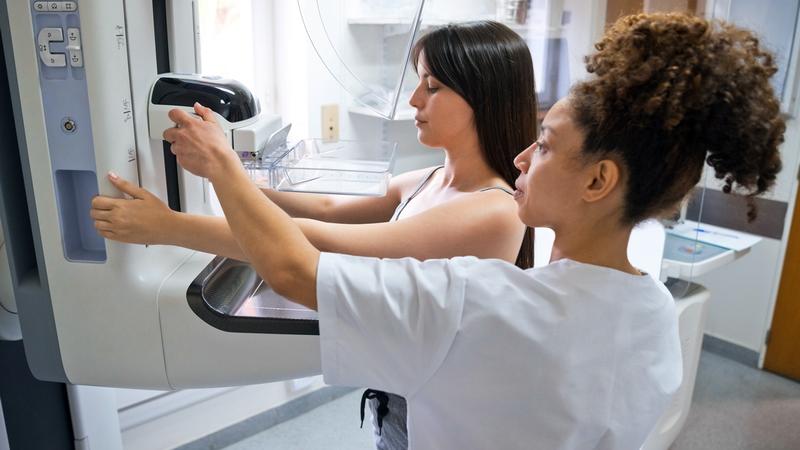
[408, 113]
[402, 113]
[693, 249]
[396, 21]
[687, 269]
[388, 21]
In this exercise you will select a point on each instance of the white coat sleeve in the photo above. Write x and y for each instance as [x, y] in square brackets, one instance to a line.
[387, 323]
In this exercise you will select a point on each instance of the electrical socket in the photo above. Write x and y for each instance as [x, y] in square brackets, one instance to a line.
[330, 122]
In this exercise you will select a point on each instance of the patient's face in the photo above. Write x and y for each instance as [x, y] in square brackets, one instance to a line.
[549, 187]
[443, 118]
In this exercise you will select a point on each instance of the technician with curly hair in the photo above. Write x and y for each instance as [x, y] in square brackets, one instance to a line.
[582, 353]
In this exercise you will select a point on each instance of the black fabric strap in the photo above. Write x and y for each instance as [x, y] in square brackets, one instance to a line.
[501, 188]
[404, 203]
[383, 406]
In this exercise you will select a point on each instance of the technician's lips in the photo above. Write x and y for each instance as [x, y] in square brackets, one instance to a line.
[518, 193]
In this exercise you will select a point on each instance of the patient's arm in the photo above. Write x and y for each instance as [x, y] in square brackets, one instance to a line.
[481, 224]
[335, 208]
[145, 219]
[347, 208]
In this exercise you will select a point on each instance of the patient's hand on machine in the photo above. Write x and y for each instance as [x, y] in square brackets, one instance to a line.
[142, 219]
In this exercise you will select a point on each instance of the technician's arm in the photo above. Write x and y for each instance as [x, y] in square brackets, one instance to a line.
[269, 238]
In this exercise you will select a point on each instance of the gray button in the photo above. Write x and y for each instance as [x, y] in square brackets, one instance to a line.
[40, 6]
[43, 39]
[53, 59]
[73, 37]
[69, 6]
[54, 6]
[75, 57]
[51, 35]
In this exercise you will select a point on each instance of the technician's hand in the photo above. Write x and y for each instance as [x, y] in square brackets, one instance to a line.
[199, 143]
[143, 219]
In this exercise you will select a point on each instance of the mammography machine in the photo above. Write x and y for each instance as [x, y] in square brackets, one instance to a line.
[102, 313]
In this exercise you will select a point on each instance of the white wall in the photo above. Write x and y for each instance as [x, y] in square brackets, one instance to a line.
[743, 293]
[291, 68]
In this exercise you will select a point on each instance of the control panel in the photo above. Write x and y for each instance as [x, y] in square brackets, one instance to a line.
[62, 77]
[48, 36]
[58, 38]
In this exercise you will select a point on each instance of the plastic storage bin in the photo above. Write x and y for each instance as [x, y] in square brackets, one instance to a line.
[326, 167]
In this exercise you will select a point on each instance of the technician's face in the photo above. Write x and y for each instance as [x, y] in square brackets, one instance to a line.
[549, 187]
[443, 117]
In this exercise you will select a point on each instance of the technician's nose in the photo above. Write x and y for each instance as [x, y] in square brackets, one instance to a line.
[523, 159]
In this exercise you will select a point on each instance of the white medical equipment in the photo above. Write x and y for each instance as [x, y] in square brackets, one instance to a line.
[103, 313]
[81, 77]
[692, 249]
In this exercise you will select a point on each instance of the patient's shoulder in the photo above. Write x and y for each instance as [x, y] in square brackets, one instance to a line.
[404, 183]
[493, 211]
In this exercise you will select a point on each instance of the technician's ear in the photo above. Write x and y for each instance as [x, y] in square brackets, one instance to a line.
[603, 177]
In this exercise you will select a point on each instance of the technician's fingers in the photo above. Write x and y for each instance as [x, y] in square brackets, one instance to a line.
[170, 134]
[206, 113]
[180, 117]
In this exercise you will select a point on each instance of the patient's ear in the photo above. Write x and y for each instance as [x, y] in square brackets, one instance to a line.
[602, 177]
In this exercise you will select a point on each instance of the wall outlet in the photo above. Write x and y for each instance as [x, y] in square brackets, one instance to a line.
[330, 122]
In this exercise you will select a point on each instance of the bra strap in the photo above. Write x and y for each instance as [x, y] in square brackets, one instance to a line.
[501, 188]
[422, 184]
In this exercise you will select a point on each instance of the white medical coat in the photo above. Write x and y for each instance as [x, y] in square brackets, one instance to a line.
[488, 356]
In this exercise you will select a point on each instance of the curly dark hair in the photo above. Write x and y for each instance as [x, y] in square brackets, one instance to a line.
[671, 91]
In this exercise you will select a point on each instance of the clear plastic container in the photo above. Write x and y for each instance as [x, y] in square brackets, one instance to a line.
[326, 167]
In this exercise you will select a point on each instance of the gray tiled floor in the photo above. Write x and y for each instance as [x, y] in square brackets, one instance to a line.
[735, 407]
[333, 426]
